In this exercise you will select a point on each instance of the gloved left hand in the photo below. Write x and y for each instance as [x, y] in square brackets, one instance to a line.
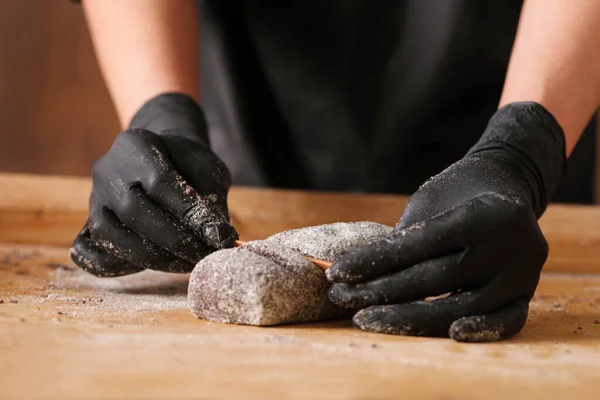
[469, 233]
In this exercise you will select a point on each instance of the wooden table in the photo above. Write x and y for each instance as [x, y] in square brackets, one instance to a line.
[66, 334]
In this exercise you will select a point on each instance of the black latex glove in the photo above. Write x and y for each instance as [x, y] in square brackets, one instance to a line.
[159, 196]
[470, 231]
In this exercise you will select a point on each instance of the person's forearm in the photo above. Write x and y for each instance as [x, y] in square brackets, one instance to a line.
[145, 47]
[556, 62]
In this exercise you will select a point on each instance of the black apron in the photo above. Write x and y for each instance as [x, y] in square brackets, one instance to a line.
[358, 95]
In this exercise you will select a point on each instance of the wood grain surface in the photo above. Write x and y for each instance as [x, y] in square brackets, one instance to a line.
[51, 210]
[67, 335]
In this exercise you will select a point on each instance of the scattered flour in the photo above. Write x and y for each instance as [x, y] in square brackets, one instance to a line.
[146, 291]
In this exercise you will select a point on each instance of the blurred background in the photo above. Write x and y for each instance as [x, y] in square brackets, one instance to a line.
[55, 112]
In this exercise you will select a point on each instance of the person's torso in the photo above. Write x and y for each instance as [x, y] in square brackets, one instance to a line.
[351, 95]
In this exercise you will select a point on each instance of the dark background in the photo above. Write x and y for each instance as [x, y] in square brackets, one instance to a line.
[55, 112]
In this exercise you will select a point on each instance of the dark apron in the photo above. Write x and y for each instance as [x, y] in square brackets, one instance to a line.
[358, 95]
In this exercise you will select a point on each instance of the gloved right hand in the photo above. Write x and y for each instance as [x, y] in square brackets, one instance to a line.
[159, 196]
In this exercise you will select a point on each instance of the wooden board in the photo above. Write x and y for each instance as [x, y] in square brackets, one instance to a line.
[51, 210]
[66, 334]
[70, 335]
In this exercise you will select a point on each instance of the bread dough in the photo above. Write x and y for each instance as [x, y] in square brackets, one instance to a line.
[270, 282]
[328, 242]
[260, 283]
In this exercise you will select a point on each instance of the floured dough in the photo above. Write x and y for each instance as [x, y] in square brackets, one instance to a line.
[270, 282]
[328, 242]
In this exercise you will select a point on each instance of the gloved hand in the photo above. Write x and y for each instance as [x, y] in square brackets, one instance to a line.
[470, 231]
[159, 196]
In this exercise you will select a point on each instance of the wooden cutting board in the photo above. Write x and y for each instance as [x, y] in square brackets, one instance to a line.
[51, 210]
[66, 334]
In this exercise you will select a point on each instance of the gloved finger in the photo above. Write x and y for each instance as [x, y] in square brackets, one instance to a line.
[430, 278]
[143, 158]
[440, 235]
[108, 232]
[150, 221]
[202, 213]
[213, 224]
[97, 261]
[498, 325]
[420, 318]
[201, 168]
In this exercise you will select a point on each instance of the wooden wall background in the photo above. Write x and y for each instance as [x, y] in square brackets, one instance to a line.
[55, 113]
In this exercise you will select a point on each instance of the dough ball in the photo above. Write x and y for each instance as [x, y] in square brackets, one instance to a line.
[271, 282]
[260, 283]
